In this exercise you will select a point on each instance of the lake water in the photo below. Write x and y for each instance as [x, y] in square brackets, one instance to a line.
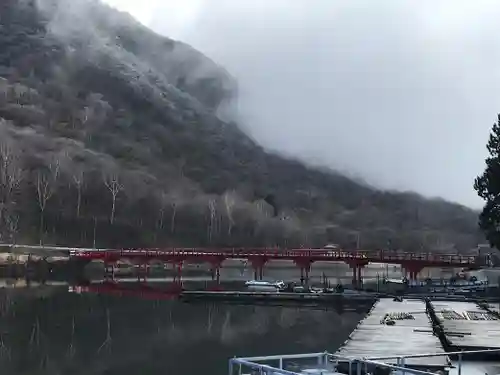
[46, 330]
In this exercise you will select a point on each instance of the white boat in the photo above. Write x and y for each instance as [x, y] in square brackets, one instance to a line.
[265, 285]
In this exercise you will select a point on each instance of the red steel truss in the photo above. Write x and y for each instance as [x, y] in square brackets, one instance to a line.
[412, 263]
[197, 255]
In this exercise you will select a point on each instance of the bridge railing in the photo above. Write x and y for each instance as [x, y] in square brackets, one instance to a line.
[381, 256]
[429, 257]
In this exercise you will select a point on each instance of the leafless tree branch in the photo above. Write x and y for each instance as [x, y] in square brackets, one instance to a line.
[112, 182]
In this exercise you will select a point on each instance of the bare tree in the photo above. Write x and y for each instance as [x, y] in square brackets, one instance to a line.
[11, 174]
[180, 166]
[86, 114]
[46, 185]
[229, 201]
[10, 170]
[93, 115]
[12, 221]
[163, 204]
[175, 201]
[164, 201]
[78, 180]
[213, 214]
[263, 208]
[172, 217]
[112, 182]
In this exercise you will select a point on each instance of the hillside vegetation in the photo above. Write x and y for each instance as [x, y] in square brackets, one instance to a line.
[111, 134]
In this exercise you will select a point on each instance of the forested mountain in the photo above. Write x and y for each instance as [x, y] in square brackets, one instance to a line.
[111, 133]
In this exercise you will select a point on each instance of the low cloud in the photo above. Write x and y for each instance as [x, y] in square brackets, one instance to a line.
[401, 95]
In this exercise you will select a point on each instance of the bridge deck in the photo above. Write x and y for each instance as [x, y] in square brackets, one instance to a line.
[263, 255]
[419, 260]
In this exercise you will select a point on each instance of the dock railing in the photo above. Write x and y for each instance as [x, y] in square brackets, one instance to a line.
[357, 365]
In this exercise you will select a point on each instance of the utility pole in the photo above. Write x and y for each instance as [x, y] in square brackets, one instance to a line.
[95, 228]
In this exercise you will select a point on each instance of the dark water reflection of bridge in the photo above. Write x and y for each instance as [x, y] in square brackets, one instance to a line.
[46, 330]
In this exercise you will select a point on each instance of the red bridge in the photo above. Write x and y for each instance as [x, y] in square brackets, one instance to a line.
[412, 263]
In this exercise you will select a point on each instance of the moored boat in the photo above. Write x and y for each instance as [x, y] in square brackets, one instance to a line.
[260, 285]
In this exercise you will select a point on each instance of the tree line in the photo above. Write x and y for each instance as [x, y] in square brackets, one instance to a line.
[73, 203]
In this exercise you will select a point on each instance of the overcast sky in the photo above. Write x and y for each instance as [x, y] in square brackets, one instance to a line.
[402, 93]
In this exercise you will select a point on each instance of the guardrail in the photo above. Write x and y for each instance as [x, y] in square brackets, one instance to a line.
[356, 365]
[318, 254]
[383, 256]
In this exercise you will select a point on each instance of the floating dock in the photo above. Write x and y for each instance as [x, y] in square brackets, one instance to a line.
[235, 296]
[452, 297]
[465, 326]
[399, 336]
[494, 308]
[295, 298]
[410, 332]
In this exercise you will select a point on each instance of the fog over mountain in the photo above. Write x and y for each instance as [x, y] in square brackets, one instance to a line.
[401, 95]
[115, 136]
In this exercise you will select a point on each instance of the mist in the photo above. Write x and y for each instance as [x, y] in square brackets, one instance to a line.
[402, 96]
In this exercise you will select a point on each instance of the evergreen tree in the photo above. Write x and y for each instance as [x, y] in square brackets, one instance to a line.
[487, 186]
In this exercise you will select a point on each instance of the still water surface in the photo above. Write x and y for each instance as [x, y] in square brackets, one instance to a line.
[46, 330]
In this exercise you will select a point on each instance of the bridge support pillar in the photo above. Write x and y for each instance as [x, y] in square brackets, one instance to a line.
[258, 264]
[304, 275]
[305, 269]
[216, 266]
[142, 271]
[360, 276]
[357, 276]
[109, 271]
[178, 276]
[412, 270]
[354, 275]
[258, 272]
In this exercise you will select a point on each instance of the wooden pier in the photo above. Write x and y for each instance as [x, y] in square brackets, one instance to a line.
[248, 297]
[256, 297]
[409, 332]
[466, 326]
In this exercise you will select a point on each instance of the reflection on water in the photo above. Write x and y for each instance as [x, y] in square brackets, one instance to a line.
[46, 330]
